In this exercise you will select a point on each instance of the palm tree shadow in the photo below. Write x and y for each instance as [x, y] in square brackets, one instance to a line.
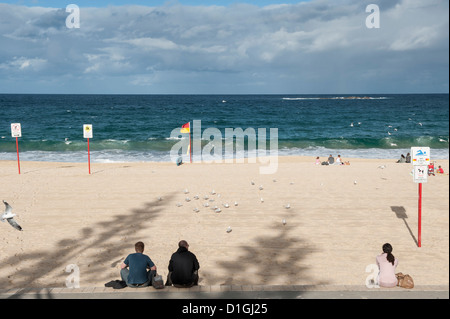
[98, 242]
[270, 260]
[400, 212]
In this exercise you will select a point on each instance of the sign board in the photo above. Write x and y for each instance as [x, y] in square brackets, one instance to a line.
[420, 173]
[87, 130]
[16, 130]
[420, 155]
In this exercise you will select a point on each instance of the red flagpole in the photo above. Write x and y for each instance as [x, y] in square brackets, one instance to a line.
[190, 148]
[18, 160]
[89, 157]
[419, 236]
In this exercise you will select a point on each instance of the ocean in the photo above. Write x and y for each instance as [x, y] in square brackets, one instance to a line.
[139, 128]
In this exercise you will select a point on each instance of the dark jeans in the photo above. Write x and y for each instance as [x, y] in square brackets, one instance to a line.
[193, 283]
[124, 274]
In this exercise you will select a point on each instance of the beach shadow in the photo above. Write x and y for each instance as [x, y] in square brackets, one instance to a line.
[277, 259]
[99, 242]
[400, 212]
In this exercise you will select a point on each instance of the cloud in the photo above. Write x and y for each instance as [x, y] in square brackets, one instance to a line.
[23, 64]
[318, 46]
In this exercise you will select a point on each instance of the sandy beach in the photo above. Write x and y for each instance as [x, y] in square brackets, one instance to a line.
[339, 218]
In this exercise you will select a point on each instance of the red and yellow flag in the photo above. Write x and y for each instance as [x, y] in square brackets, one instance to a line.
[186, 128]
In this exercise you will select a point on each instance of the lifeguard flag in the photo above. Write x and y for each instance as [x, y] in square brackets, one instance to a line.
[186, 128]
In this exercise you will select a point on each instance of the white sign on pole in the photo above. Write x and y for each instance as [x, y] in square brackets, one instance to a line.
[420, 155]
[16, 130]
[420, 173]
[87, 130]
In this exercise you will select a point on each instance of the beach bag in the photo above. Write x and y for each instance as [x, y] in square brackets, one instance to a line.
[404, 281]
[157, 282]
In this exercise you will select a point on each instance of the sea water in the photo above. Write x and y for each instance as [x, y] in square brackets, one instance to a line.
[137, 128]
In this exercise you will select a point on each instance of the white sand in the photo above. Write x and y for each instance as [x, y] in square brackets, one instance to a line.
[334, 230]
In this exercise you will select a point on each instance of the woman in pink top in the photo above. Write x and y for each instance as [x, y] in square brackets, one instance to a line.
[387, 263]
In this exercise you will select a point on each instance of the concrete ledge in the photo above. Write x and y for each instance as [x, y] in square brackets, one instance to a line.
[222, 291]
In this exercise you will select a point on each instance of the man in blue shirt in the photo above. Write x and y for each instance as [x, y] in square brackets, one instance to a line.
[134, 268]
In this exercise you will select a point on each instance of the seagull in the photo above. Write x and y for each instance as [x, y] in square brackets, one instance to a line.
[186, 191]
[382, 166]
[159, 198]
[420, 124]
[196, 210]
[354, 182]
[235, 203]
[196, 197]
[253, 183]
[287, 206]
[261, 188]
[213, 192]
[262, 200]
[8, 215]
[226, 205]
[284, 221]
[206, 204]
[229, 229]
[187, 199]
[217, 210]
[179, 204]
[351, 124]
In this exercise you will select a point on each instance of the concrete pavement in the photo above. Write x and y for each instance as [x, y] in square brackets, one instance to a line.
[231, 292]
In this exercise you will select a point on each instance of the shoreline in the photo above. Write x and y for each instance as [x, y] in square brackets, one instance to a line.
[246, 160]
[340, 216]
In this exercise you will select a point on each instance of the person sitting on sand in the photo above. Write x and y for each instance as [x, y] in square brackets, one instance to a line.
[408, 158]
[330, 159]
[440, 170]
[134, 268]
[386, 264]
[317, 160]
[338, 160]
[402, 159]
[183, 267]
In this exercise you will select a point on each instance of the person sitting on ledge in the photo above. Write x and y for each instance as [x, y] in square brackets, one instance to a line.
[183, 267]
[134, 268]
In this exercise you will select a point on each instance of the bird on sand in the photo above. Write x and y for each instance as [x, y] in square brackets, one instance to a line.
[9, 216]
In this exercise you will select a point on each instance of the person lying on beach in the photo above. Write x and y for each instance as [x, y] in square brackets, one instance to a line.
[138, 269]
[183, 267]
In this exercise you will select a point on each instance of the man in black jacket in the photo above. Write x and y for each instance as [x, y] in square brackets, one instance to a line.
[183, 267]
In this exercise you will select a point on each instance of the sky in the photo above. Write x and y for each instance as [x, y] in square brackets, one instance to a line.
[225, 47]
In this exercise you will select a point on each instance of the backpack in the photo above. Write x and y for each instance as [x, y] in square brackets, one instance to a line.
[404, 281]
[157, 282]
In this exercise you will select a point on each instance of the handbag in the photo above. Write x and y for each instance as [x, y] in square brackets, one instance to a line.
[404, 281]
[157, 282]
